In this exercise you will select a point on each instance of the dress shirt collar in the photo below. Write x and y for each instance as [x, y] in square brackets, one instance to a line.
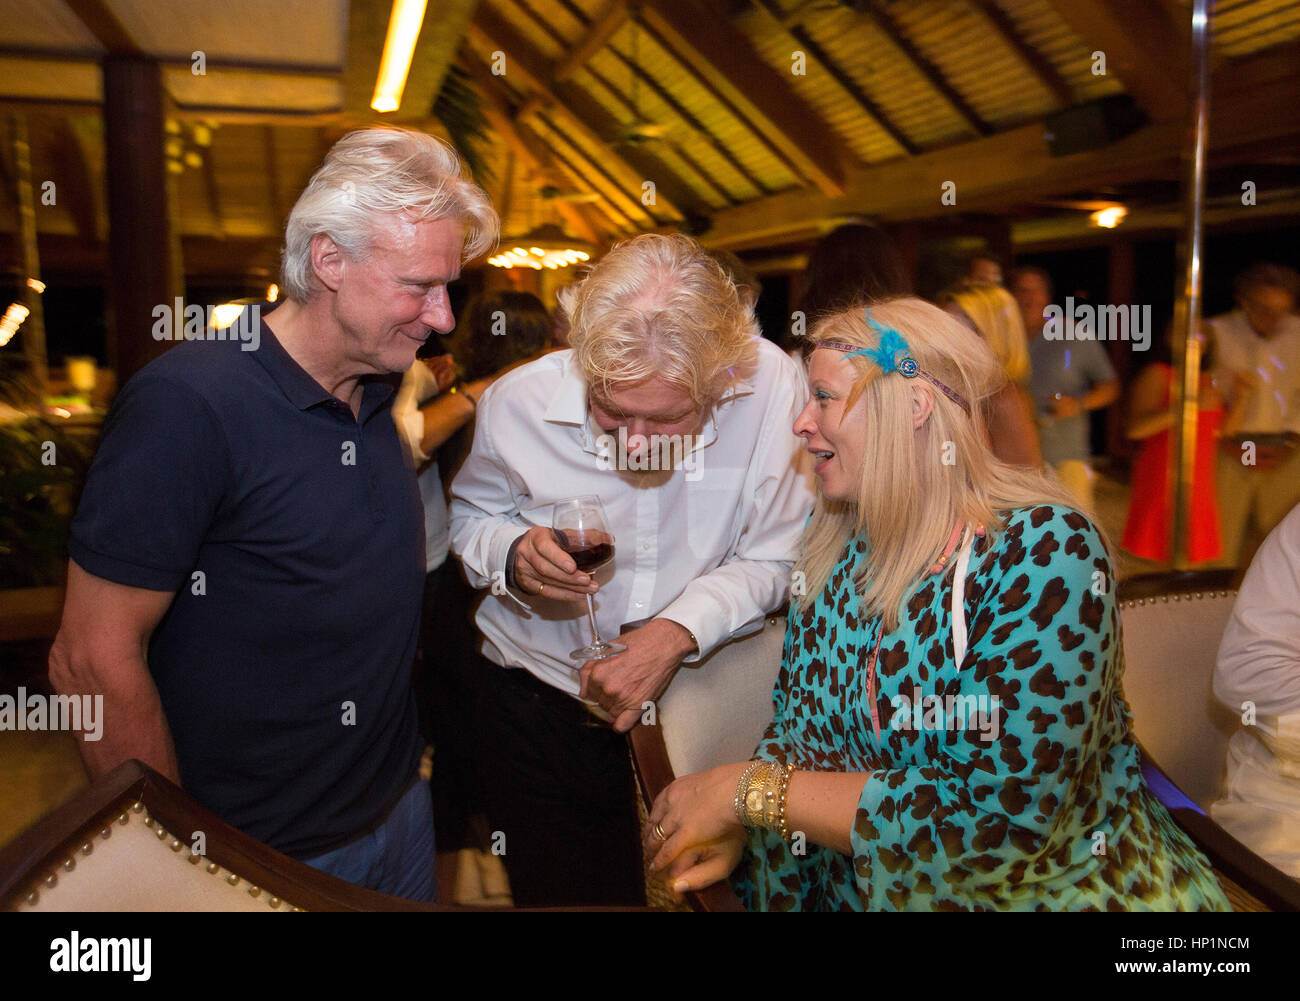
[569, 405]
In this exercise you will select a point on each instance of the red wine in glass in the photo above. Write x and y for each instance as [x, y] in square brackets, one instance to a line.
[582, 531]
[590, 550]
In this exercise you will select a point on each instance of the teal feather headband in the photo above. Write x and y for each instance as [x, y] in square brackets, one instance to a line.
[886, 355]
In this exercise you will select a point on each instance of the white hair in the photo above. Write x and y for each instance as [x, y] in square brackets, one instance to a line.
[376, 172]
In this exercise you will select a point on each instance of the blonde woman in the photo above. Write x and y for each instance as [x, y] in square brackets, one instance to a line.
[991, 312]
[949, 729]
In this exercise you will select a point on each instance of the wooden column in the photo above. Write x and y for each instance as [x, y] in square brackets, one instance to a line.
[142, 270]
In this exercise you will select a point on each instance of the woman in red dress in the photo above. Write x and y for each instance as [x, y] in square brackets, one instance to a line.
[1151, 420]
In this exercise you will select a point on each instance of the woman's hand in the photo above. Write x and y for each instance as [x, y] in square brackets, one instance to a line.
[696, 816]
[704, 865]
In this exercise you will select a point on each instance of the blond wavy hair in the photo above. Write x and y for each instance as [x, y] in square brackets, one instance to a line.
[915, 484]
[659, 306]
[997, 319]
[377, 172]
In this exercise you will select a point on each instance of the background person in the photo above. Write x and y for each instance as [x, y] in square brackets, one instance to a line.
[1151, 419]
[1259, 368]
[1069, 380]
[435, 410]
[903, 808]
[992, 313]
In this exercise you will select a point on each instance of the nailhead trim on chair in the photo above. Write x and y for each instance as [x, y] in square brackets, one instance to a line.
[1166, 598]
[70, 863]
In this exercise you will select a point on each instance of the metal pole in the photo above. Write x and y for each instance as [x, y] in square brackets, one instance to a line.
[1187, 309]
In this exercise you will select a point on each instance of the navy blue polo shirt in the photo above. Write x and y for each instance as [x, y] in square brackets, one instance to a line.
[292, 535]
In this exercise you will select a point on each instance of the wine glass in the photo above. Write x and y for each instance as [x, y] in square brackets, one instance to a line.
[582, 531]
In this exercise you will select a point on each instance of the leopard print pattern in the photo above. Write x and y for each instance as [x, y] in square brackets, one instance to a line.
[1012, 783]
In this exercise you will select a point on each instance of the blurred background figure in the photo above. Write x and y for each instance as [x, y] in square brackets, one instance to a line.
[1150, 420]
[1068, 379]
[1259, 366]
[435, 407]
[855, 263]
[992, 313]
[1258, 676]
[983, 268]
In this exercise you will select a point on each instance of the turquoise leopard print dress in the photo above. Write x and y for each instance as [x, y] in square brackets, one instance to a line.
[1010, 784]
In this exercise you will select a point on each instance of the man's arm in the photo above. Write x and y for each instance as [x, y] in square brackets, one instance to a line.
[100, 650]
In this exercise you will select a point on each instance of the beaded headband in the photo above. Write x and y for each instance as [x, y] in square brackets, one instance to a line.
[886, 356]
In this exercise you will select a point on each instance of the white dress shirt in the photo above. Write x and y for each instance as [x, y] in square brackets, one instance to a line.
[709, 545]
[1274, 364]
[1259, 662]
[418, 384]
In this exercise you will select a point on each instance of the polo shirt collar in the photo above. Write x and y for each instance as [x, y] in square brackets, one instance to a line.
[299, 387]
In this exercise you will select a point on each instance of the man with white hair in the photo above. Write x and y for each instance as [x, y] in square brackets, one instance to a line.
[246, 561]
[674, 412]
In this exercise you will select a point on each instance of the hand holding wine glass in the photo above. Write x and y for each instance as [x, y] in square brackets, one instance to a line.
[543, 569]
[582, 531]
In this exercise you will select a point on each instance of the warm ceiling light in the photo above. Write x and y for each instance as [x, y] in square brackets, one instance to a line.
[545, 247]
[272, 292]
[36, 285]
[1109, 218]
[403, 30]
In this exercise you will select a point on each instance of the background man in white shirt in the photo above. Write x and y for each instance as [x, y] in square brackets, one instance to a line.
[1258, 348]
[661, 346]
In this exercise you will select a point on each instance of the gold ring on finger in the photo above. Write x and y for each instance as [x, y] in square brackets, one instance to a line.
[659, 831]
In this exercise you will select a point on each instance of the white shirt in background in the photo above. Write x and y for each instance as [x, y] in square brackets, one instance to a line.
[711, 549]
[419, 384]
[1273, 405]
[1259, 663]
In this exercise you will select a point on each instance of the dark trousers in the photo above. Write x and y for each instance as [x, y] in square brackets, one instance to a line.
[446, 687]
[558, 785]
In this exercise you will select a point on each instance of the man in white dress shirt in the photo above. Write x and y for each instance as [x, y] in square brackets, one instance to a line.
[1258, 349]
[1258, 678]
[671, 410]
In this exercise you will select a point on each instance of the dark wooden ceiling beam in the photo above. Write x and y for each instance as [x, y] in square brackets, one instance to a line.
[1048, 75]
[601, 29]
[886, 24]
[728, 65]
[1143, 45]
[100, 20]
[490, 32]
[530, 149]
[690, 121]
[644, 159]
[846, 83]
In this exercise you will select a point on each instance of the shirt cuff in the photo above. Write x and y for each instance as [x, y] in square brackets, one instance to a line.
[502, 553]
[702, 620]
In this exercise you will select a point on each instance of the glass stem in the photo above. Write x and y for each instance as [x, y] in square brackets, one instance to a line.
[591, 614]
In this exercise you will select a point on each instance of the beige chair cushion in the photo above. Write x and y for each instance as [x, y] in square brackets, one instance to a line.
[715, 712]
[134, 870]
[1170, 646]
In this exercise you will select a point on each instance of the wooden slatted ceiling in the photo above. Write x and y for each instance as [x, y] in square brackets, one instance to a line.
[1243, 26]
[971, 54]
[866, 138]
[877, 65]
[1044, 30]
